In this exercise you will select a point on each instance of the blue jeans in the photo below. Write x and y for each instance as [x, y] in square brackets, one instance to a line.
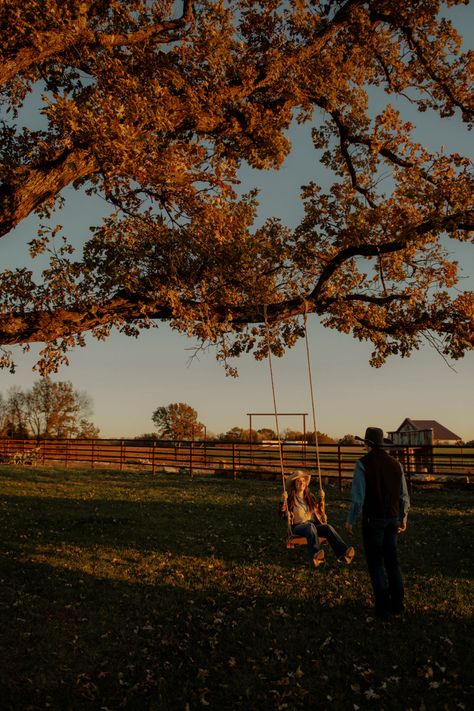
[312, 531]
[380, 547]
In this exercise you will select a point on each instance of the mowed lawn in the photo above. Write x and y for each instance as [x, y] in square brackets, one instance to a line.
[123, 590]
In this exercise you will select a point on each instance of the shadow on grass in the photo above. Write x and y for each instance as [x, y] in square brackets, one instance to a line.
[72, 640]
[232, 532]
[140, 592]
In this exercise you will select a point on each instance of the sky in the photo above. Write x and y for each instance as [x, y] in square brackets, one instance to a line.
[127, 378]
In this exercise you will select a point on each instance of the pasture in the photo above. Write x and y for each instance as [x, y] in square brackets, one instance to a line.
[126, 590]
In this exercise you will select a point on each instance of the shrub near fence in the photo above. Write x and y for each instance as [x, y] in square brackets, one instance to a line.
[231, 458]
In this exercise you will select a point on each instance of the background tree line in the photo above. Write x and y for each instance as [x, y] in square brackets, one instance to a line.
[47, 410]
[56, 410]
[179, 421]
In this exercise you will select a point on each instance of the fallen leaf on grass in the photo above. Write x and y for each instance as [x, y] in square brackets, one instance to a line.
[299, 673]
[203, 700]
[370, 694]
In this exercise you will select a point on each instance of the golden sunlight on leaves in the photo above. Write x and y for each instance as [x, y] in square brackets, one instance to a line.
[154, 107]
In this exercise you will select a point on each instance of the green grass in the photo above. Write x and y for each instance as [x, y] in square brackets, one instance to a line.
[125, 590]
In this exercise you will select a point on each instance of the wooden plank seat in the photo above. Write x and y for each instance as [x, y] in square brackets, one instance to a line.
[293, 541]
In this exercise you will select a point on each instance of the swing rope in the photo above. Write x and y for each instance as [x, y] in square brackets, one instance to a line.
[275, 410]
[313, 407]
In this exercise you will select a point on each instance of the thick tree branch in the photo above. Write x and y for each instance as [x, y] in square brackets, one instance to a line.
[447, 222]
[33, 186]
[47, 326]
[43, 325]
[50, 44]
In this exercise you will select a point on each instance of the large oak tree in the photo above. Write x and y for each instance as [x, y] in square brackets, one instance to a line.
[154, 106]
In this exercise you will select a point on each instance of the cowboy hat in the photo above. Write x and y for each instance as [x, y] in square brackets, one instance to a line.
[374, 437]
[298, 474]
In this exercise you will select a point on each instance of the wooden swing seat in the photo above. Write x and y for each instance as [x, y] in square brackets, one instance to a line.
[293, 541]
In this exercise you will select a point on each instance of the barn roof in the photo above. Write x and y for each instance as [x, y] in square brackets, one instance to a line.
[439, 431]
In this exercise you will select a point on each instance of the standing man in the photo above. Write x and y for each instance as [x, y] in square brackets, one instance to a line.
[379, 491]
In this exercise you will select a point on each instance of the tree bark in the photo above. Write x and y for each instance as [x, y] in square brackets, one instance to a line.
[33, 187]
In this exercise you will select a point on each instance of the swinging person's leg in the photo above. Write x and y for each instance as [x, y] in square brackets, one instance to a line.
[339, 547]
[309, 531]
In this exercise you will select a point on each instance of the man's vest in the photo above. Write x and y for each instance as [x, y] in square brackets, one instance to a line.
[383, 480]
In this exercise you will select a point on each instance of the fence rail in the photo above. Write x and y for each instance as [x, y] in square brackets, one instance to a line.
[232, 459]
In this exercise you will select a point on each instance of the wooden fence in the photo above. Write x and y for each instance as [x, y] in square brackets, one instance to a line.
[231, 459]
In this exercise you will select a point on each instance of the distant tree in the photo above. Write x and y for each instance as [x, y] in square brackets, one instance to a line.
[266, 433]
[147, 435]
[348, 439]
[470, 443]
[49, 410]
[236, 434]
[322, 438]
[293, 435]
[13, 419]
[86, 430]
[177, 421]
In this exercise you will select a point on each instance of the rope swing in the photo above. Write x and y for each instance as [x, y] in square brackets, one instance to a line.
[295, 540]
[275, 410]
[322, 495]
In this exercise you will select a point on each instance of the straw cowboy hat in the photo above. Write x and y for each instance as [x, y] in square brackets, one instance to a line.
[298, 474]
[374, 437]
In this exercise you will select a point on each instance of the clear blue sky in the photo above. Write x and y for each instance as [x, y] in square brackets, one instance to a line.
[127, 378]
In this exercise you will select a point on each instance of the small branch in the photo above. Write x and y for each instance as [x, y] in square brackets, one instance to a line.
[434, 343]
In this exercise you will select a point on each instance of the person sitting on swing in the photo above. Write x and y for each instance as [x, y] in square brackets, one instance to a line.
[307, 518]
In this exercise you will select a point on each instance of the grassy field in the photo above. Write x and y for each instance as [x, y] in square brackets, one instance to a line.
[131, 591]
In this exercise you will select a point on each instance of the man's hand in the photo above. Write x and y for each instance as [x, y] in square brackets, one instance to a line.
[402, 527]
[285, 496]
[349, 528]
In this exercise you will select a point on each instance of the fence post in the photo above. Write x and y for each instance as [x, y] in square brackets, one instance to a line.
[67, 453]
[153, 454]
[408, 469]
[121, 454]
[234, 470]
[92, 454]
[339, 466]
[191, 459]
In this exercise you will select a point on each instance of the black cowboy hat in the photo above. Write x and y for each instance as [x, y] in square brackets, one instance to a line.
[374, 437]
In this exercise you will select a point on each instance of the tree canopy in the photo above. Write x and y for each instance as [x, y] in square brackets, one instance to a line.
[47, 410]
[178, 421]
[154, 106]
